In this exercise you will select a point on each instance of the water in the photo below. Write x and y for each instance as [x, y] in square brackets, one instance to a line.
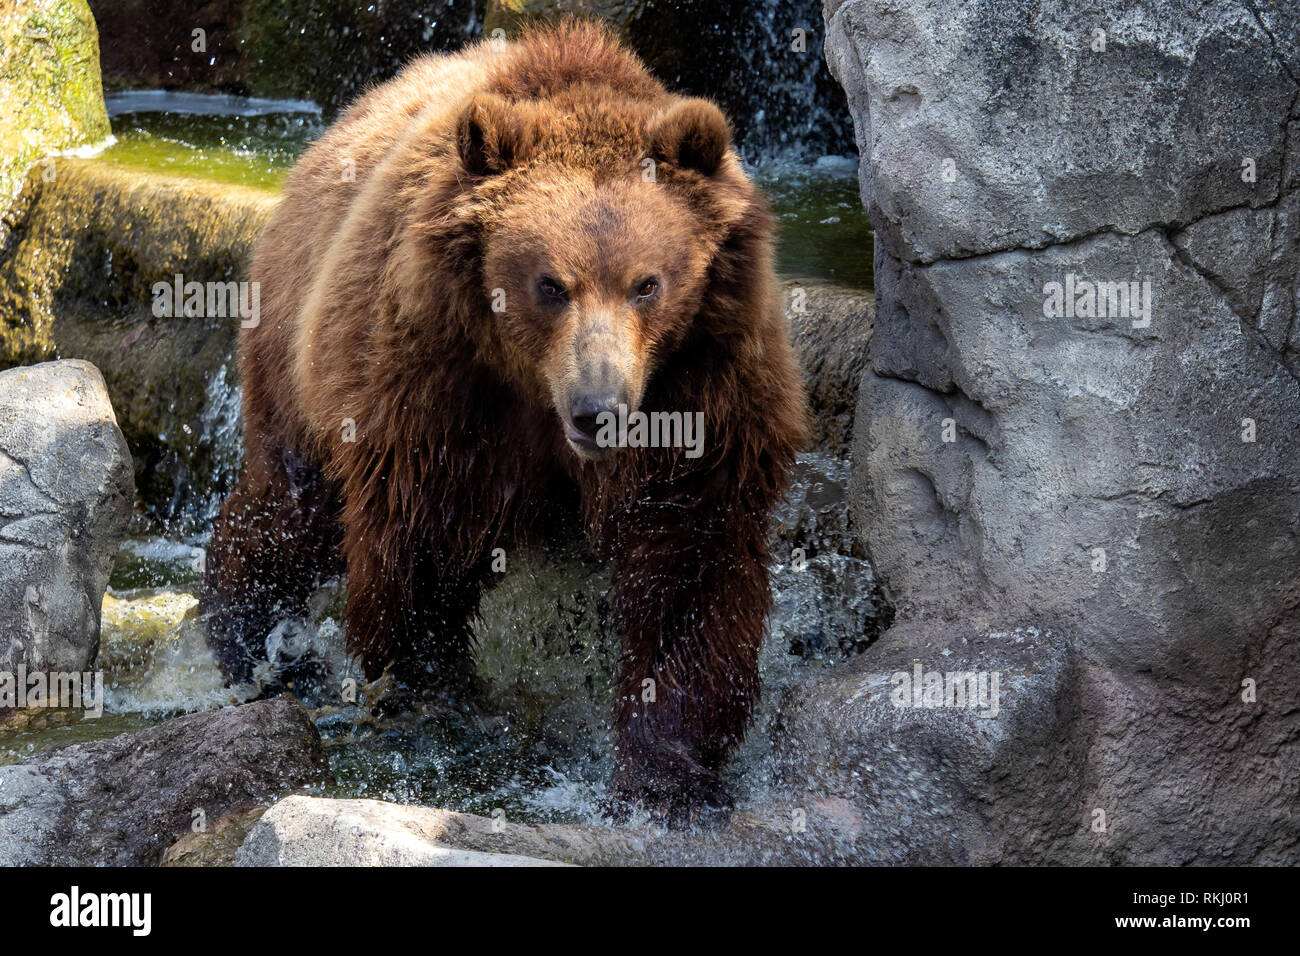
[824, 234]
[537, 745]
[236, 140]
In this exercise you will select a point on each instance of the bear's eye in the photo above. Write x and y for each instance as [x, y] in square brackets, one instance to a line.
[551, 289]
[647, 288]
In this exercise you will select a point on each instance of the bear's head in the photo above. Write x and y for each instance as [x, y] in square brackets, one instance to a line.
[598, 225]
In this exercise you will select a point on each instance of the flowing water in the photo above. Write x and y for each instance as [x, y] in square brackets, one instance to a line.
[537, 745]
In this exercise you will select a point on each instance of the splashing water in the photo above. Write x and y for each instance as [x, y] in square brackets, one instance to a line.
[538, 744]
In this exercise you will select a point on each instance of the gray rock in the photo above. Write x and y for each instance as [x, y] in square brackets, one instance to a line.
[65, 500]
[926, 778]
[307, 831]
[1050, 140]
[1129, 482]
[313, 831]
[125, 800]
[831, 325]
[76, 281]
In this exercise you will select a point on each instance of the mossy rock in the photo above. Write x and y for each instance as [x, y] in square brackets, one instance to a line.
[134, 626]
[51, 97]
[76, 278]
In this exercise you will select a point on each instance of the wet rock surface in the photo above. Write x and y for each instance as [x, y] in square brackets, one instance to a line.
[309, 831]
[832, 325]
[124, 801]
[50, 93]
[65, 500]
[76, 281]
[1119, 469]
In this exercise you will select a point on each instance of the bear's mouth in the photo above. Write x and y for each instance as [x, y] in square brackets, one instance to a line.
[585, 445]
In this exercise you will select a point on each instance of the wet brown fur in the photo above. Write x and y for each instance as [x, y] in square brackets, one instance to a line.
[376, 308]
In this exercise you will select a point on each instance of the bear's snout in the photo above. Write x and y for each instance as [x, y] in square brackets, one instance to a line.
[593, 421]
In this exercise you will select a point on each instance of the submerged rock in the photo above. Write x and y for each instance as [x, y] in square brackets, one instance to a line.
[65, 500]
[1081, 409]
[135, 626]
[124, 801]
[50, 93]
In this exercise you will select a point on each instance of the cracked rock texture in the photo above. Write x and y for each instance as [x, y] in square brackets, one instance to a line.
[65, 498]
[125, 800]
[1126, 480]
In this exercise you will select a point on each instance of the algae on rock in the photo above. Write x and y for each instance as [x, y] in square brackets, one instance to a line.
[76, 281]
[51, 98]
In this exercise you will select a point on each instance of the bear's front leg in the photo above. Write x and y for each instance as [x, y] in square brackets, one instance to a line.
[691, 595]
[409, 603]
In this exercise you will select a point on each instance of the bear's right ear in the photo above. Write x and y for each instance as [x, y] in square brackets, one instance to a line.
[493, 135]
[692, 134]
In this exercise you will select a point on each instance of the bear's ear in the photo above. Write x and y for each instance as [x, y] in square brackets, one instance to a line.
[692, 134]
[493, 135]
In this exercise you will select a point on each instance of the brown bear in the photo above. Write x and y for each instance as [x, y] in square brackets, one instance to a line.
[476, 280]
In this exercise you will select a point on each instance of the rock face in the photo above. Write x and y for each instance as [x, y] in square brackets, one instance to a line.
[50, 93]
[76, 280]
[1038, 445]
[124, 801]
[65, 500]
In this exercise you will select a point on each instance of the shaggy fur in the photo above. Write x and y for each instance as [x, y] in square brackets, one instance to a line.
[475, 174]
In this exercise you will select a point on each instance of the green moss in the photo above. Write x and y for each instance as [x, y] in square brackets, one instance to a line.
[51, 96]
[77, 280]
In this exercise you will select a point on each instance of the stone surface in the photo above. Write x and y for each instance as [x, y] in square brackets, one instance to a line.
[931, 780]
[306, 831]
[76, 281]
[312, 831]
[1127, 480]
[51, 98]
[215, 846]
[125, 800]
[65, 500]
[832, 326]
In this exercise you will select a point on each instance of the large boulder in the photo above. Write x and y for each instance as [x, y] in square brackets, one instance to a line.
[50, 94]
[125, 800]
[65, 500]
[1119, 468]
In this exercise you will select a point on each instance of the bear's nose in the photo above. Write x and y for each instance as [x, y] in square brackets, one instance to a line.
[585, 412]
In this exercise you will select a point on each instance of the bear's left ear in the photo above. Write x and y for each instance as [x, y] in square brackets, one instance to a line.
[692, 134]
[493, 135]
